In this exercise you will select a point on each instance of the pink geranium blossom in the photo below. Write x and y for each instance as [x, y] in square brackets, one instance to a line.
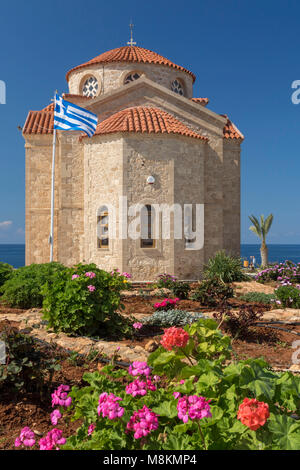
[26, 438]
[60, 396]
[55, 417]
[137, 325]
[91, 429]
[91, 288]
[139, 368]
[91, 275]
[52, 440]
[140, 387]
[142, 422]
[109, 407]
[193, 407]
[75, 276]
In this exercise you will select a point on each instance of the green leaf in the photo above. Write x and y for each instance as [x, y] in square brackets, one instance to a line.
[285, 431]
[167, 408]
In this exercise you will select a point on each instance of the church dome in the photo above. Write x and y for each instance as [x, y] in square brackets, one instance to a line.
[131, 54]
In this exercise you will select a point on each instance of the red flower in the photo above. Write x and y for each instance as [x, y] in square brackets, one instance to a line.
[174, 337]
[253, 413]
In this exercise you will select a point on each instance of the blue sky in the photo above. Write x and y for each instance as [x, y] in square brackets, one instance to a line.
[244, 53]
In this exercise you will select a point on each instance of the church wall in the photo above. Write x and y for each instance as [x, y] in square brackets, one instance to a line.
[112, 76]
[232, 195]
[103, 184]
[37, 210]
[189, 188]
[70, 216]
[177, 163]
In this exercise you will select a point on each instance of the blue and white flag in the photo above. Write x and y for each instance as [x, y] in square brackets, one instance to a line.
[69, 117]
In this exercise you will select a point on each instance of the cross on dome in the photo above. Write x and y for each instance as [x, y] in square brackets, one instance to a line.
[131, 42]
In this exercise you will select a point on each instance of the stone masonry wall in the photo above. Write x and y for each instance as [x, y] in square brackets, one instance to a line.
[103, 185]
[38, 190]
[112, 76]
[70, 216]
[232, 192]
[177, 164]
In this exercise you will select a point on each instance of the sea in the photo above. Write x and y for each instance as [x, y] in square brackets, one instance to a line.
[15, 254]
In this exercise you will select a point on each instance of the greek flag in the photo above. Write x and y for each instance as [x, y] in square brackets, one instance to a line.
[69, 117]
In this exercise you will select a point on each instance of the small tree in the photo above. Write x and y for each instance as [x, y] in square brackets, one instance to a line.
[261, 229]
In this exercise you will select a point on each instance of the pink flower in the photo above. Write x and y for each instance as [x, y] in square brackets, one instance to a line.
[127, 275]
[109, 406]
[26, 438]
[142, 422]
[52, 440]
[91, 429]
[176, 394]
[166, 303]
[91, 288]
[75, 276]
[91, 275]
[55, 416]
[156, 378]
[139, 368]
[60, 396]
[137, 325]
[140, 387]
[193, 407]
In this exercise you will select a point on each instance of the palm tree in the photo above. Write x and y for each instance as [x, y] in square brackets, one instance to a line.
[261, 229]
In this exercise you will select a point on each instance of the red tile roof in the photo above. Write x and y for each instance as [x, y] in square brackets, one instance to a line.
[230, 131]
[203, 101]
[145, 120]
[131, 54]
[139, 119]
[40, 122]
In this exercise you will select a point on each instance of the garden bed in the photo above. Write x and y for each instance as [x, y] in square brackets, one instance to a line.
[30, 409]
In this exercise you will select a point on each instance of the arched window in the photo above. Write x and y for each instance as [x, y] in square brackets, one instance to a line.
[147, 227]
[102, 228]
[90, 87]
[177, 87]
[131, 77]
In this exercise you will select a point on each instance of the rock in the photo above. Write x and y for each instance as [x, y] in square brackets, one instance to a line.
[295, 368]
[151, 346]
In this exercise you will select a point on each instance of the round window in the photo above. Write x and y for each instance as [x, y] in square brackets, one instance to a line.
[177, 87]
[131, 77]
[90, 87]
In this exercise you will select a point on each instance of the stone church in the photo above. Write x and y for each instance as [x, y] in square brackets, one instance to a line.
[155, 144]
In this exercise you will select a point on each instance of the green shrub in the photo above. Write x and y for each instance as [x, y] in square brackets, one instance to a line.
[165, 281]
[212, 292]
[23, 288]
[173, 317]
[288, 296]
[27, 368]
[181, 289]
[226, 268]
[86, 304]
[6, 271]
[258, 297]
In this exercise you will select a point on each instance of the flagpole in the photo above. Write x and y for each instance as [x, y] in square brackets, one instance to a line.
[52, 190]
